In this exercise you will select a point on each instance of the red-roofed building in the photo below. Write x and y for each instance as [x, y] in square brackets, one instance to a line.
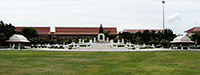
[141, 30]
[70, 32]
[43, 32]
[192, 31]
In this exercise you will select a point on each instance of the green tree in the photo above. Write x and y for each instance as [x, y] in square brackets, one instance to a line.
[61, 40]
[153, 34]
[6, 31]
[159, 36]
[168, 35]
[195, 37]
[146, 35]
[165, 43]
[29, 32]
[107, 34]
[2, 38]
[137, 39]
[111, 36]
[138, 34]
[78, 37]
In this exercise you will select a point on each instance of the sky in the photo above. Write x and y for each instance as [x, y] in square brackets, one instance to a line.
[180, 15]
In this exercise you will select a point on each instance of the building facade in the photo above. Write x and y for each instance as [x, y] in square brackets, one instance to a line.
[55, 33]
[192, 31]
[141, 30]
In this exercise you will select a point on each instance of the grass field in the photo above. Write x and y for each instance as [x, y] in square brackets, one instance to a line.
[16, 62]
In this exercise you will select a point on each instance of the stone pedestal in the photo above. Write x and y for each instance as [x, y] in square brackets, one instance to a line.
[74, 45]
[83, 41]
[153, 46]
[107, 39]
[101, 37]
[79, 41]
[118, 42]
[111, 41]
[122, 41]
[94, 40]
[90, 41]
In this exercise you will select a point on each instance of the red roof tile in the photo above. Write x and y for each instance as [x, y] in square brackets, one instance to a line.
[194, 29]
[40, 30]
[84, 30]
[72, 30]
[141, 30]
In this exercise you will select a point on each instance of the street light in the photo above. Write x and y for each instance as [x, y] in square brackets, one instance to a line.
[163, 2]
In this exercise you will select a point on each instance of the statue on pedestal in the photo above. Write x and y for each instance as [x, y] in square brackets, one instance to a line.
[101, 36]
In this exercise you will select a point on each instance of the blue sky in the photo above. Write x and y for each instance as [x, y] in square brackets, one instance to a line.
[180, 15]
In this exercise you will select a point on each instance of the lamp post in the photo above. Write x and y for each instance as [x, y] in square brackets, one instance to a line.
[163, 2]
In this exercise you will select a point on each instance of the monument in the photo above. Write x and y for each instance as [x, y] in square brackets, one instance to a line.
[101, 36]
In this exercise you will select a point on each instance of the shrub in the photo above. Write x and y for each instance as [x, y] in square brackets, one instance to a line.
[142, 48]
[194, 47]
[52, 47]
[120, 45]
[69, 47]
[133, 47]
[149, 47]
[158, 46]
[185, 47]
[3, 46]
[82, 45]
[21, 47]
[179, 47]
[115, 40]
[61, 46]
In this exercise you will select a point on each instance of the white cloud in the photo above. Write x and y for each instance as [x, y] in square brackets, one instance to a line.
[174, 17]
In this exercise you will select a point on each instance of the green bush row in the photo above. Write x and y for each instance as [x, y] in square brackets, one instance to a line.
[186, 47]
[82, 45]
[3, 46]
[21, 47]
[69, 47]
[120, 45]
[56, 47]
[146, 47]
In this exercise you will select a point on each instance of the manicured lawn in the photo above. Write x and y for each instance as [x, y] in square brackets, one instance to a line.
[99, 63]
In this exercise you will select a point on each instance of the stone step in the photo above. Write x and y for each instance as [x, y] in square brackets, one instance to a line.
[102, 46]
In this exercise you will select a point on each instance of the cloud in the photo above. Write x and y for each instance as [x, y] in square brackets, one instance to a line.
[176, 17]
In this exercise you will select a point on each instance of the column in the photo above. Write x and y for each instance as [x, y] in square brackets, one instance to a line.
[18, 45]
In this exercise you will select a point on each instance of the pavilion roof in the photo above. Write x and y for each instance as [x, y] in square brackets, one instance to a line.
[17, 38]
[182, 39]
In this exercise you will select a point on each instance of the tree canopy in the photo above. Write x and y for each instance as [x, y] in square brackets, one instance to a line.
[29, 32]
[195, 37]
[6, 31]
[148, 37]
